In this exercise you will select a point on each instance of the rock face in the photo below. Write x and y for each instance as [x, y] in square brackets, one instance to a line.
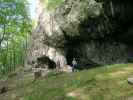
[47, 41]
[88, 30]
[130, 80]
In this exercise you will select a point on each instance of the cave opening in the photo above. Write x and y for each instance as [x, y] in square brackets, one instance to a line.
[122, 20]
[45, 62]
[117, 23]
[70, 54]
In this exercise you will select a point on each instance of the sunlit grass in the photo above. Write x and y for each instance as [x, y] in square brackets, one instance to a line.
[103, 83]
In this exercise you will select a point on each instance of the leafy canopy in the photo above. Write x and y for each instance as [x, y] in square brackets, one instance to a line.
[15, 24]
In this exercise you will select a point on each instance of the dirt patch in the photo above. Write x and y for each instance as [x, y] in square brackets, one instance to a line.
[11, 85]
[129, 68]
[118, 73]
[79, 94]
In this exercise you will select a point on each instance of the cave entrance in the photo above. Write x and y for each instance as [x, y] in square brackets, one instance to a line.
[70, 54]
[45, 62]
[130, 54]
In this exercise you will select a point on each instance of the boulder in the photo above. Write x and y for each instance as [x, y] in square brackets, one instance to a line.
[67, 69]
[3, 86]
[130, 80]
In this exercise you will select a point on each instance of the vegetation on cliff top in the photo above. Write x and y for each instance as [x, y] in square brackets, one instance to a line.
[52, 4]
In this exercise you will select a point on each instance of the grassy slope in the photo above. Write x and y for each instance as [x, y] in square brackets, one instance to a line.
[105, 83]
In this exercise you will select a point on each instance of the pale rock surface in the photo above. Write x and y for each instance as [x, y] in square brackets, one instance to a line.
[78, 28]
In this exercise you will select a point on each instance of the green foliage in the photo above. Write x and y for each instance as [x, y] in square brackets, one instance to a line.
[52, 4]
[15, 25]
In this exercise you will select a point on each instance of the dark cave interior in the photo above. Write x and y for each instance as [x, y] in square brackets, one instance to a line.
[121, 29]
[45, 61]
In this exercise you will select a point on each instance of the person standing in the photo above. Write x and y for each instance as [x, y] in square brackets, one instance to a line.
[74, 64]
[58, 66]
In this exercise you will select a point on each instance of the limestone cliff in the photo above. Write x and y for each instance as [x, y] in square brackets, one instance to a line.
[91, 31]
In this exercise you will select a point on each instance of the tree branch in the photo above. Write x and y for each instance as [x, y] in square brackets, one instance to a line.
[2, 38]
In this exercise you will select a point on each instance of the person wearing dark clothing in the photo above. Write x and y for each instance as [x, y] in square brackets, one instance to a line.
[74, 64]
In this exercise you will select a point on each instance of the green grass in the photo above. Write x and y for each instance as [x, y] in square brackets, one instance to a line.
[103, 83]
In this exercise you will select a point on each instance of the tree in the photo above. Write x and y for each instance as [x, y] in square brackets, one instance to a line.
[15, 25]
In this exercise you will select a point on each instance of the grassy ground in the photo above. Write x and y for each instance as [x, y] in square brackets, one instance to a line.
[104, 83]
